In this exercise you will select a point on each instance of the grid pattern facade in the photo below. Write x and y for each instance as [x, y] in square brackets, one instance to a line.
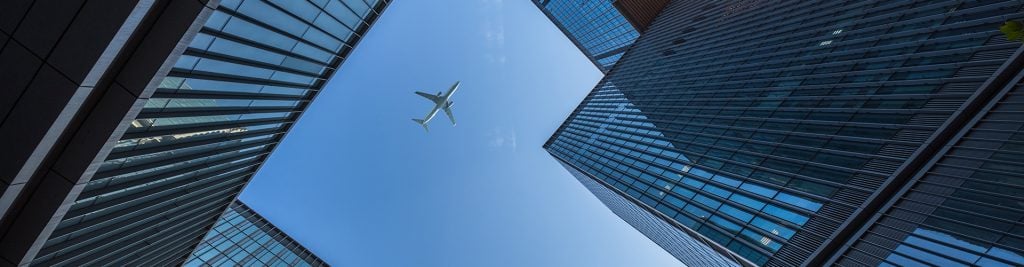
[691, 250]
[766, 142]
[595, 26]
[967, 208]
[244, 238]
[73, 71]
[238, 87]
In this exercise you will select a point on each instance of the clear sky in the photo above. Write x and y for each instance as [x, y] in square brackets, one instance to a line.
[360, 184]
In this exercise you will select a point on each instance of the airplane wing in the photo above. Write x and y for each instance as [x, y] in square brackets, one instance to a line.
[448, 111]
[433, 98]
[454, 87]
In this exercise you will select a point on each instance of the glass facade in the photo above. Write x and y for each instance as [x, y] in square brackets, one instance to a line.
[676, 240]
[595, 26]
[766, 143]
[966, 209]
[244, 238]
[238, 87]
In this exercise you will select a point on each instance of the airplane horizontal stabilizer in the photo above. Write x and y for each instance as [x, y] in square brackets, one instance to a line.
[421, 123]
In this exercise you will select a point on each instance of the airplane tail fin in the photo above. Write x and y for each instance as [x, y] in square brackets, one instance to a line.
[420, 122]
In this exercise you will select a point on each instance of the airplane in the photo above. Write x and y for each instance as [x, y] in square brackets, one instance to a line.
[441, 101]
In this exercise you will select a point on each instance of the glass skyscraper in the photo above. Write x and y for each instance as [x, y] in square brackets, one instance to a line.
[964, 208]
[74, 72]
[244, 238]
[599, 29]
[852, 133]
[246, 76]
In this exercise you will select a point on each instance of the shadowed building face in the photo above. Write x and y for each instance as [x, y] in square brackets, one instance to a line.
[151, 152]
[778, 145]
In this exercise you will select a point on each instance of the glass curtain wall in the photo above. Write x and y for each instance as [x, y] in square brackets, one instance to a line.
[239, 86]
[244, 238]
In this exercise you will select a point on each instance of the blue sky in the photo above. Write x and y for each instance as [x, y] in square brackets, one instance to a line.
[360, 184]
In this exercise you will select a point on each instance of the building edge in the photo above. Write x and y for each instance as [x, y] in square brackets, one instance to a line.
[623, 207]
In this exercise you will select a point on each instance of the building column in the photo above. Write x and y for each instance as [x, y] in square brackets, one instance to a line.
[75, 72]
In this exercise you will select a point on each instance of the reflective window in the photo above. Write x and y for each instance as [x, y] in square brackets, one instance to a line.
[251, 237]
[208, 125]
[803, 121]
[596, 25]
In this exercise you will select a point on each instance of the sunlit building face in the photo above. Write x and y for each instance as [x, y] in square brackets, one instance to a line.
[599, 29]
[242, 237]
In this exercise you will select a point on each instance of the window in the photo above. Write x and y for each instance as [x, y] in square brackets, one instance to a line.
[683, 191]
[747, 201]
[798, 201]
[725, 224]
[697, 211]
[812, 187]
[757, 189]
[736, 213]
[785, 214]
[772, 227]
[678, 203]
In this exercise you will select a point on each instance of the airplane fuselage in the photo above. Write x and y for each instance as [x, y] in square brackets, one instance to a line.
[443, 101]
[433, 112]
[438, 106]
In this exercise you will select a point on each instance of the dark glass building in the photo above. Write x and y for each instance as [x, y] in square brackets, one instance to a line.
[852, 133]
[244, 238]
[229, 86]
[600, 28]
[74, 73]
